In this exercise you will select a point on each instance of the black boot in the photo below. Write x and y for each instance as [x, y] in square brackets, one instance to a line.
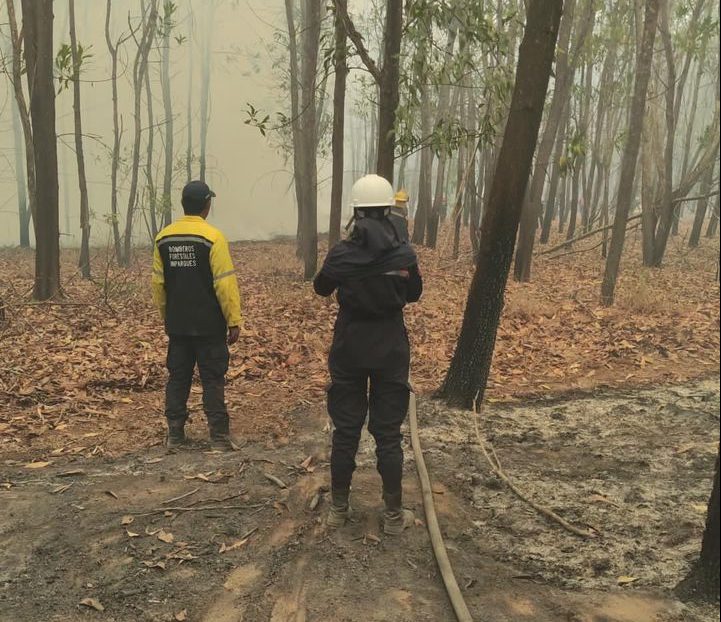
[220, 435]
[340, 511]
[176, 435]
[395, 518]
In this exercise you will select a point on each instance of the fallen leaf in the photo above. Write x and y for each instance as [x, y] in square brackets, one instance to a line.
[126, 520]
[224, 548]
[625, 580]
[71, 473]
[92, 603]
[61, 489]
[701, 508]
[277, 481]
[166, 536]
[160, 565]
[110, 493]
[372, 538]
[181, 616]
[37, 465]
[132, 534]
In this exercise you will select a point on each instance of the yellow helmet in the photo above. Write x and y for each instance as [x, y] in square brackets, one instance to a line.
[402, 196]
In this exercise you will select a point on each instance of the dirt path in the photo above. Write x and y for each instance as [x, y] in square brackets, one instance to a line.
[637, 468]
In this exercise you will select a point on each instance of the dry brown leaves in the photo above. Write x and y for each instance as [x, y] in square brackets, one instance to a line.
[86, 375]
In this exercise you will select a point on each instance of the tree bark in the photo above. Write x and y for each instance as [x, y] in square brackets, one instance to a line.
[713, 221]
[150, 184]
[425, 187]
[115, 157]
[166, 202]
[702, 581]
[23, 111]
[340, 64]
[39, 56]
[630, 153]
[389, 89]
[140, 66]
[21, 180]
[467, 376]
[84, 262]
[701, 208]
[563, 81]
[550, 210]
[189, 103]
[205, 89]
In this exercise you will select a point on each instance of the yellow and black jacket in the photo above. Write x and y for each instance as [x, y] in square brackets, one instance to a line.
[194, 283]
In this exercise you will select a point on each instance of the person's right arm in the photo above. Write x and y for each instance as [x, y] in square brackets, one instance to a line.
[415, 284]
[158, 282]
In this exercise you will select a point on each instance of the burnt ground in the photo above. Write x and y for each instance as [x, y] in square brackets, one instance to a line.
[199, 536]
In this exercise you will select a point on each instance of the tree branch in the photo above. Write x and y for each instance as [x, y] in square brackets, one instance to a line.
[357, 39]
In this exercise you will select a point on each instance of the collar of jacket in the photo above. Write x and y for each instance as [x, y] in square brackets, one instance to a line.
[193, 219]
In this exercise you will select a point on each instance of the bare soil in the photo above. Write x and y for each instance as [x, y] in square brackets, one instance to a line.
[235, 546]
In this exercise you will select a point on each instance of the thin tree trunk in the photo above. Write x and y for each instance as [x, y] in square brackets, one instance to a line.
[152, 194]
[713, 221]
[39, 56]
[701, 208]
[467, 376]
[341, 73]
[630, 153]
[21, 180]
[115, 158]
[166, 202]
[205, 88]
[550, 210]
[189, 103]
[84, 263]
[140, 66]
[425, 189]
[23, 110]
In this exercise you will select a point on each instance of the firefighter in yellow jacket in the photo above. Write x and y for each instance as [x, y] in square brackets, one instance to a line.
[196, 291]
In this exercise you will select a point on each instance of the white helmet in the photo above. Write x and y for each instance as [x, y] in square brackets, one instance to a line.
[372, 191]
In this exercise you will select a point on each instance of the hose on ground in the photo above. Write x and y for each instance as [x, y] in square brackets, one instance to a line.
[434, 531]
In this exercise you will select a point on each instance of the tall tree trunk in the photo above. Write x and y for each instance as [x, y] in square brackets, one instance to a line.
[140, 66]
[166, 202]
[630, 153]
[115, 158]
[21, 180]
[665, 220]
[84, 263]
[189, 103]
[467, 376]
[388, 89]
[425, 188]
[575, 182]
[340, 64]
[150, 184]
[550, 210]
[209, 14]
[563, 81]
[23, 111]
[702, 581]
[39, 56]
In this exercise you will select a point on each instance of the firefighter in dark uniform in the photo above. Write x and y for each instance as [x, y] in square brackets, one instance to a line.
[195, 289]
[375, 272]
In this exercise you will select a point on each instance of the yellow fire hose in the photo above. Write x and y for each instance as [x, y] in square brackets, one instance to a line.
[434, 531]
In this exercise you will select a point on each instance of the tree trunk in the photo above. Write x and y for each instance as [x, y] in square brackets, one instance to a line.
[563, 81]
[115, 158]
[84, 262]
[702, 581]
[39, 56]
[467, 376]
[189, 103]
[701, 208]
[150, 184]
[550, 210]
[21, 180]
[575, 182]
[388, 86]
[425, 188]
[713, 221]
[630, 153]
[23, 112]
[166, 202]
[339, 88]
[209, 14]
[140, 66]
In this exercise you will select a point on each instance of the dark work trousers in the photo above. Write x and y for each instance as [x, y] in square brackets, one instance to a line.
[369, 363]
[211, 355]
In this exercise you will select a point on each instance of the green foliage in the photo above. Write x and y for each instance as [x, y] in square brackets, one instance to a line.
[66, 71]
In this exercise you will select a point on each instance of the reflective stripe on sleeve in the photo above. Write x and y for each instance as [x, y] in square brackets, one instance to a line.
[222, 276]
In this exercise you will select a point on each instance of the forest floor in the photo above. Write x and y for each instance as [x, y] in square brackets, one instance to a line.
[609, 416]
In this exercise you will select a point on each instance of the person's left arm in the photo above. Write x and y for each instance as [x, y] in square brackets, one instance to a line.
[324, 285]
[226, 286]
[415, 284]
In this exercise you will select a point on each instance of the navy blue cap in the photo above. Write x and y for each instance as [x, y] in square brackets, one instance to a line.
[197, 191]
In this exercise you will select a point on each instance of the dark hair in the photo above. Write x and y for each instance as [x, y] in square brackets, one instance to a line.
[193, 207]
